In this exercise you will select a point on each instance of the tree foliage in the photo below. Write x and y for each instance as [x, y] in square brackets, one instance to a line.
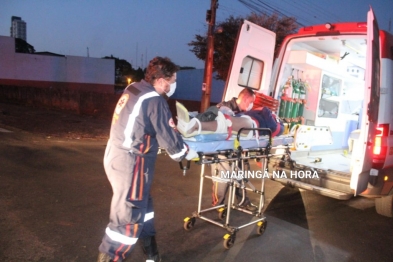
[21, 46]
[124, 70]
[225, 38]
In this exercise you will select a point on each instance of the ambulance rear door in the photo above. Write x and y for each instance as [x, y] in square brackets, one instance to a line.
[362, 153]
[252, 60]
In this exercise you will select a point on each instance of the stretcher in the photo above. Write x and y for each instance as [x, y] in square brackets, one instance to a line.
[237, 153]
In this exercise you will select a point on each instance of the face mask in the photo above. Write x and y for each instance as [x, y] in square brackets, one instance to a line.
[250, 107]
[172, 90]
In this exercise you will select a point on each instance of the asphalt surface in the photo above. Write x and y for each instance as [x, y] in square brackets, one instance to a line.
[55, 201]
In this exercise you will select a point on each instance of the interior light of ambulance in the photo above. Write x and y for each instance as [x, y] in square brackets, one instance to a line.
[354, 49]
[385, 178]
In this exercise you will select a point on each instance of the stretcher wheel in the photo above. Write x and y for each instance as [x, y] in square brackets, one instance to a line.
[189, 223]
[261, 227]
[222, 213]
[229, 241]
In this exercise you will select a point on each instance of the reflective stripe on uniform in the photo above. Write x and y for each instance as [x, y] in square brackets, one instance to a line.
[115, 236]
[131, 118]
[148, 216]
[180, 154]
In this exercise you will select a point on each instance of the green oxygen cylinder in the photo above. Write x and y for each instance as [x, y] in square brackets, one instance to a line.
[284, 98]
[288, 107]
[283, 104]
[295, 108]
[302, 98]
[295, 100]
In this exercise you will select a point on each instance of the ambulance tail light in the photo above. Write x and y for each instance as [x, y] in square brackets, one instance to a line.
[380, 145]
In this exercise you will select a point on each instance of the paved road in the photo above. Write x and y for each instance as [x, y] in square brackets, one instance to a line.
[55, 202]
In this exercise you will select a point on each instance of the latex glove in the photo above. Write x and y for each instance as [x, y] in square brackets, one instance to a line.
[192, 154]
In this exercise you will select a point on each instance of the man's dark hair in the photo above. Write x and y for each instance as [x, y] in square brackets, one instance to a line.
[160, 67]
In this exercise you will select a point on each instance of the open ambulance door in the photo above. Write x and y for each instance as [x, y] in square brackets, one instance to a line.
[252, 60]
[361, 158]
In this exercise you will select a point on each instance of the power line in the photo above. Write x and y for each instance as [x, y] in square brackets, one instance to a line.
[329, 16]
[226, 11]
[261, 7]
[303, 9]
[306, 13]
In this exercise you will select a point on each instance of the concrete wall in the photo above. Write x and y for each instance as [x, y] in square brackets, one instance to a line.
[82, 85]
[70, 69]
[189, 86]
[79, 84]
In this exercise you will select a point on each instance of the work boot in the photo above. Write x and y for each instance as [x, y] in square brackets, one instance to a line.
[249, 206]
[102, 257]
[149, 246]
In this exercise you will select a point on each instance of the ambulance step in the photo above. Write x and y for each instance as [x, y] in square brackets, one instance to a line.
[319, 190]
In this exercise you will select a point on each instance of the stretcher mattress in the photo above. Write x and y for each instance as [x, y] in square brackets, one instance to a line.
[207, 144]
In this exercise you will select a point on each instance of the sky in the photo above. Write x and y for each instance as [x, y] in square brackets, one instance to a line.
[138, 30]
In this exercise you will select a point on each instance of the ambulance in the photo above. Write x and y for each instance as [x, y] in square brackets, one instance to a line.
[333, 86]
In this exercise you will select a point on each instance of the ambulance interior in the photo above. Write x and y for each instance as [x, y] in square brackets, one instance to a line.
[322, 81]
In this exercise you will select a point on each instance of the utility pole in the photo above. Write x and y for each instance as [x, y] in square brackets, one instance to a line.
[207, 79]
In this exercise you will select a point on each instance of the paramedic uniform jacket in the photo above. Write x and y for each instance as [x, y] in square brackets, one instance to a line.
[141, 123]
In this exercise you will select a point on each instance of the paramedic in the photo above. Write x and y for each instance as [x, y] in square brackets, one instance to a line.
[141, 122]
[242, 103]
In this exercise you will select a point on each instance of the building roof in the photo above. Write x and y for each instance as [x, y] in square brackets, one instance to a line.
[48, 53]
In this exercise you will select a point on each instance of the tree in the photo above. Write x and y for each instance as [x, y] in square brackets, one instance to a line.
[124, 71]
[138, 74]
[21, 46]
[225, 38]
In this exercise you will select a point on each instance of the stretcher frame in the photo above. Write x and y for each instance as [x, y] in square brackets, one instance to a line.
[235, 156]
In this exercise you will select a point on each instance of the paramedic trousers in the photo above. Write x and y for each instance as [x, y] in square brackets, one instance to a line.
[131, 213]
[220, 185]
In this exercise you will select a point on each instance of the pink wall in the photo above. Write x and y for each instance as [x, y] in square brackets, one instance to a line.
[70, 69]
[79, 84]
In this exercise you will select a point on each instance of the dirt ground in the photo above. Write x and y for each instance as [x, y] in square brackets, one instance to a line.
[50, 123]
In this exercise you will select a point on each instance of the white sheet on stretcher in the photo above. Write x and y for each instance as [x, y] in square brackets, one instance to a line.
[205, 146]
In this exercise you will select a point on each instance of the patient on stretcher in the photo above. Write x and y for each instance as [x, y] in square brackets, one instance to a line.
[227, 123]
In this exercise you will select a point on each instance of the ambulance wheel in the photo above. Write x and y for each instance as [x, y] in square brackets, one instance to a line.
[189, 223]
[261, 227]
[222, 213]
[229, 242]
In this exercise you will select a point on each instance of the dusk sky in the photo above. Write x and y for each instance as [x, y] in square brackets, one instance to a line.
[138, 30]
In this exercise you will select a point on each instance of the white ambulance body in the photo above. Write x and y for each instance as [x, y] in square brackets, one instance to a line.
[345, 74]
